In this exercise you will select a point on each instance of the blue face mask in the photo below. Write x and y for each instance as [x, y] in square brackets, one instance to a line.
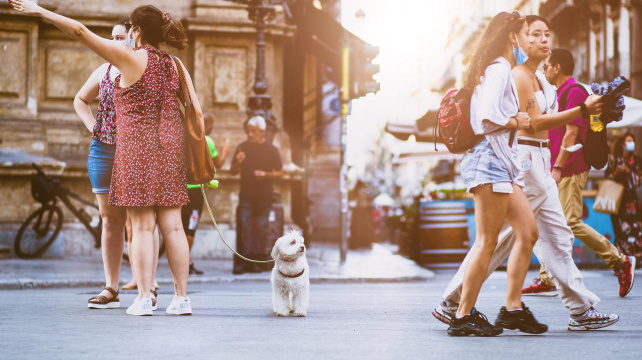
[629, 146]
[129, 42]
[520, 54]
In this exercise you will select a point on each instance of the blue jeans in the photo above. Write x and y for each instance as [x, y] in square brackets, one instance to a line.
[99, 166]
[481, 166]
[251, 228]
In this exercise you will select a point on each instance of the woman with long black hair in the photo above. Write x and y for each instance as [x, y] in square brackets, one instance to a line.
[555, 244]
[490, 170]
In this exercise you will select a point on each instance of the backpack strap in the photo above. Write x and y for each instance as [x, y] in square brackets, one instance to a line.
[563, 99]
[564, 95]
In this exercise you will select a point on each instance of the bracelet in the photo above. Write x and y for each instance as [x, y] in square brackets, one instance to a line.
[585, 113]
[557, 167]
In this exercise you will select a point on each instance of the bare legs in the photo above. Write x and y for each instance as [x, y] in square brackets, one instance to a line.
[142, 254]
[171, 225]
[143, 224]
[491, 209]
[521, 218]
[132, 283]
[112, 240]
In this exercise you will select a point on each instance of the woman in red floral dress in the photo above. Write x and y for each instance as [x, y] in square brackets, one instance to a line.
[150, 165]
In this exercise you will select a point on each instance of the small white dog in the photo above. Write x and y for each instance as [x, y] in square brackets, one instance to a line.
[290, 276]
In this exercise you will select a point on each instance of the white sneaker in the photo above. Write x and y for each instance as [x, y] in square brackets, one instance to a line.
[180, 306]
[591, 320]
[140, 307]
[444, 312]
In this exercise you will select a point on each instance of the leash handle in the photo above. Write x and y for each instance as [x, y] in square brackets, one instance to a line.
[209, 210]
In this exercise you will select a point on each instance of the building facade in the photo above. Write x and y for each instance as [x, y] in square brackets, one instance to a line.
[43, 69]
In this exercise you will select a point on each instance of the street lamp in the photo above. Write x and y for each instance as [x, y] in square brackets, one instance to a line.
[260, 103]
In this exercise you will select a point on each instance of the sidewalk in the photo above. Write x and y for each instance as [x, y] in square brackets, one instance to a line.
[380, 264]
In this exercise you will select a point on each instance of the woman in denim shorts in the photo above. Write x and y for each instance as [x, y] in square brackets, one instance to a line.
[490, 171]
[99, 166]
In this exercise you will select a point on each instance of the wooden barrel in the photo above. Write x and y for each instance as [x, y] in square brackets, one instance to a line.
[443, 233]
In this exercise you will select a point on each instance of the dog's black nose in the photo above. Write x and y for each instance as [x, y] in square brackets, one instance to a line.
[302, 248]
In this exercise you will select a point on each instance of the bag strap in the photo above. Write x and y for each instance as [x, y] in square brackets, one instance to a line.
[184, 93]
[564, 98]
[564, 95]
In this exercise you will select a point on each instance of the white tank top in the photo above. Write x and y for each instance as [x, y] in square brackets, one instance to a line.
[541, 101]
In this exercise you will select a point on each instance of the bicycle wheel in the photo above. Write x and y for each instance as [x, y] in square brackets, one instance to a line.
[38, 232]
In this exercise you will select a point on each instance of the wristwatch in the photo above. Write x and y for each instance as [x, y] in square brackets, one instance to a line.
[557, 167]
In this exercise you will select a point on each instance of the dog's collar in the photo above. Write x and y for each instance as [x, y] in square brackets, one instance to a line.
[292, 276]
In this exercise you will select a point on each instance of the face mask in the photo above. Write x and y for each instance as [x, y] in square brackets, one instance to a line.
[629, 146]
[520, 54]
[129, 42]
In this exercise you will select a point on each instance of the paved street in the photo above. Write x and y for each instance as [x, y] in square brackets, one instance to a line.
[345, 321]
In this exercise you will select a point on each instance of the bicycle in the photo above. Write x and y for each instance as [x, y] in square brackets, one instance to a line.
[32, 240]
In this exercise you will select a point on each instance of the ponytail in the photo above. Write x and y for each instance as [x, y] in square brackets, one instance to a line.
[158, 27]
[174, 34]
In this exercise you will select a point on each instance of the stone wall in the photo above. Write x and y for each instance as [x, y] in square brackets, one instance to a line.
[43, 69]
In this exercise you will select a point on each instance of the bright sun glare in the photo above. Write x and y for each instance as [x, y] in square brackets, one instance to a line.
[411, 35]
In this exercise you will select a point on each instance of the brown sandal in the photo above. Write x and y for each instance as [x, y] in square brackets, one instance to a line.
[103, 302]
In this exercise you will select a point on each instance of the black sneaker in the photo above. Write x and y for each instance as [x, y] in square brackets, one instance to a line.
[522, 320]
[193, 270]
[474, 324]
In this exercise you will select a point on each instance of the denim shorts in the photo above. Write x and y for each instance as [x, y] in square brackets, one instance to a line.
[481, 166]
[99, 166]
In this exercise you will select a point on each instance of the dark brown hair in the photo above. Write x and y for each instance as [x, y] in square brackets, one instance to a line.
[564, 58]
[156, 30]
[124, 22]
[532, 18]
[618, 150]
[491, 45]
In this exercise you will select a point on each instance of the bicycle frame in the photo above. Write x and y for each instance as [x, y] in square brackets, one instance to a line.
[64, 195]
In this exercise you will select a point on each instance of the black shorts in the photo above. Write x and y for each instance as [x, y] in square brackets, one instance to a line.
[191, 213]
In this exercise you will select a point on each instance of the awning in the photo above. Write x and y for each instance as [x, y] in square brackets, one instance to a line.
[422, 128]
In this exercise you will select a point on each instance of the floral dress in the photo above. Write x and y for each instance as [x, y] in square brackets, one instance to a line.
[105, 126]
[150, 164]
[627, 225]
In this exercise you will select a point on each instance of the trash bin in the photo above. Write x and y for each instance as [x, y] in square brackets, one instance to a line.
[443, 233]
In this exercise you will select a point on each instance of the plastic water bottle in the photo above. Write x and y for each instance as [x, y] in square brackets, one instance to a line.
[596, 124]
[193, 220]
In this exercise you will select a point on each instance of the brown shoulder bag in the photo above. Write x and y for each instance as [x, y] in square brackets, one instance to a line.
[200, 167]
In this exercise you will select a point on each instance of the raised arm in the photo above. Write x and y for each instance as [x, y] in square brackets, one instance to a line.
[115, 53]
[87, 94]
[542, 122]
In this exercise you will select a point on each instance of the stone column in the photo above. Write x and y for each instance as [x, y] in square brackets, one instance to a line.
[636, 50]
[624, 41]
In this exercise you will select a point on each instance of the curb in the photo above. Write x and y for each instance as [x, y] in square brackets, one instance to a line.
[25, 284]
